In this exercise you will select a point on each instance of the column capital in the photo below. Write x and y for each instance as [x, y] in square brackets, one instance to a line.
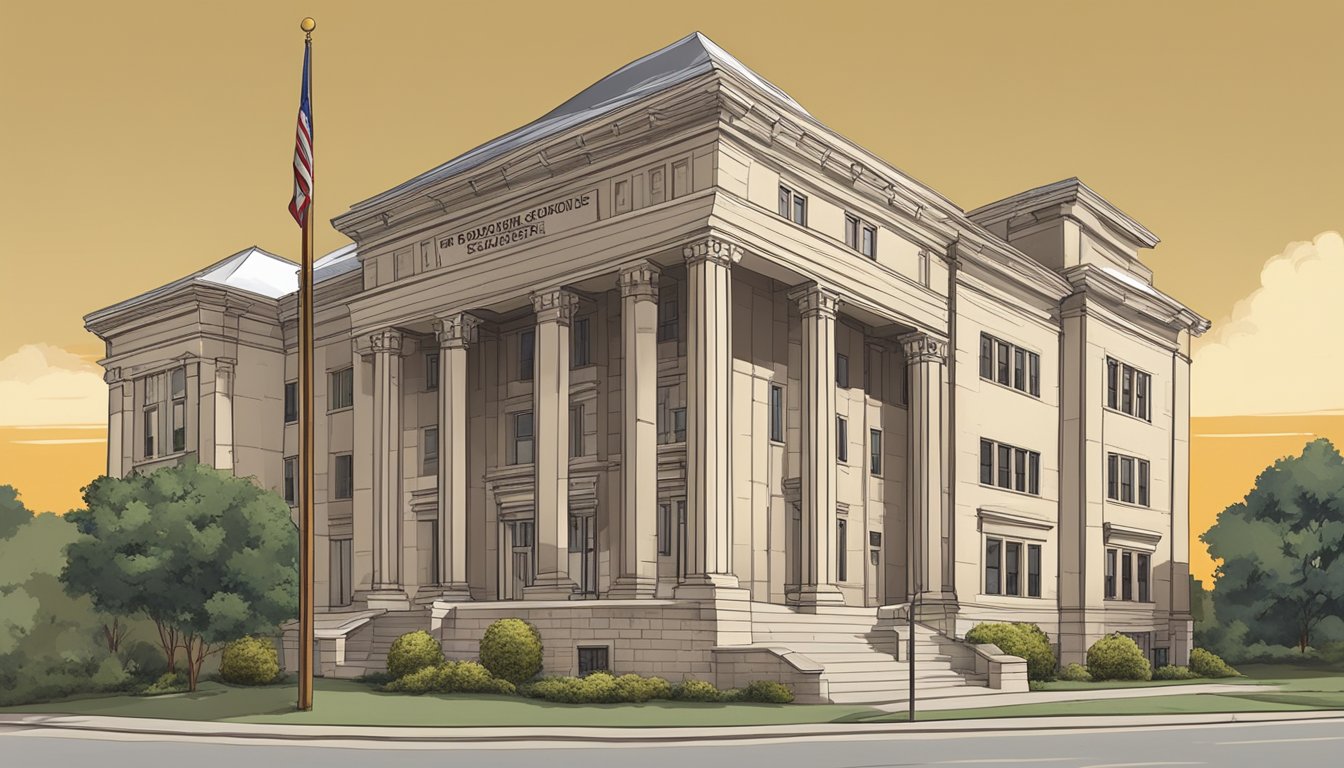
[112, 375]
[712, 249]
[816, 300]
[456, 331]
[922, 347]
[639, 280]
[386, 340]
[556, 305]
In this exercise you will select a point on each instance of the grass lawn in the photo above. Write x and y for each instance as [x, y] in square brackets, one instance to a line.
[1069, 685]
[342, 702]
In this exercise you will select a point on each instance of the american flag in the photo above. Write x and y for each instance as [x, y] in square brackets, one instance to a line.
[303, 148]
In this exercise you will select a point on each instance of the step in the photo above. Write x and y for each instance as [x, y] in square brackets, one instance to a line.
[901, 695]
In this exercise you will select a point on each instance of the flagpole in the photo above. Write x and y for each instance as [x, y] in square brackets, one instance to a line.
[306, 419]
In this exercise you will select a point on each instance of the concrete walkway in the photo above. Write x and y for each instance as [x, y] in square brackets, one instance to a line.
[1050, 697]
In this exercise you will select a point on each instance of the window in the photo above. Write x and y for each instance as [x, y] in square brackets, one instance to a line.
[341, 569]
[1143, 563]
[178, 383]
[669, 328]
[429, 453]
[1033, 570]
[776, 413]
[875, 452]
[1160, 657]
[792, 206]
[841, 440]
[868, 241]
[678, 425]
[431, 371]
[1128, 389]
[1010, 365]
[593, 658]
[842, 371]
[291, 402]
[861, 236]
[579, 347]
[1111, 556]
[841, 550]
[1121, 481]
[1006, 466]
[341, 389]
[179, 426]
[665, 528]
[291, 485]
[993, 550]
[527, 350]
[575, 431]
[1012, 568]
[852, 231]
[576, 542]
[343, 477]
[522, 438]
[151, 426]
[1127, 575]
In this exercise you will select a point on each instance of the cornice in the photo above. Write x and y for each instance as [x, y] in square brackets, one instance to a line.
[232, 301]
[1155, 306]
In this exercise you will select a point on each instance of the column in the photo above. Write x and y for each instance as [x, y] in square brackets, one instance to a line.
[456, 333]
[222, 449]
[817, 481]
[385, 347]
[1181, 623]
[118, 414]
[636, 552]
[709, 368]
[926, 358]
[550, 415]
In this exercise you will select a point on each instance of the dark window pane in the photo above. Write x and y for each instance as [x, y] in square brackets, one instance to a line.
[841, 550]
[1002, 352]
[1034, 361]
[992, 549]
[1143, 482]
[986, 357]
[875, 451]
[841, 440]
[527, 349]
[668, 311]
[842, 371]
[1011, 568]
[291, 401]
[593, 659]
[785, 201]
[1033, 570]
[777, 413]
[1005, 466]
[1127, 389]
[869, 244]
[1110, 573]
[852, 232]
[1033, 472]
[800, 210]
[432, 371]
[1020, 470]
[986, 462]
[1112, 476]
[1019, 369]
[1112, 382]
[1126, 576]
[1126, 479]
[1143, 577]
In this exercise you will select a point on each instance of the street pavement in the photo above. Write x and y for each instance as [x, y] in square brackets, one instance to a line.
[1279, 743]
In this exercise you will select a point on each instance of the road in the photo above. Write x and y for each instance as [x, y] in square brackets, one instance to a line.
[1240, 744]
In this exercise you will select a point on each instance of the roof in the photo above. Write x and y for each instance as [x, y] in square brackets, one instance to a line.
[688, 58]
[1071, 190]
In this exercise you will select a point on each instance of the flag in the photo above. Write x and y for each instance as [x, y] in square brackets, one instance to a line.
[303, 147]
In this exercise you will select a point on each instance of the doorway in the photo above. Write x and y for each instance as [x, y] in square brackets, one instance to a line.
[519, 561]
[583, 553]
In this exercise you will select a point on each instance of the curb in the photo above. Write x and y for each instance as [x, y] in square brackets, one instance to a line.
[503, 734]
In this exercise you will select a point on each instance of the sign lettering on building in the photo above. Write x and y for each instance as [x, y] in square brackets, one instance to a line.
[548, 219]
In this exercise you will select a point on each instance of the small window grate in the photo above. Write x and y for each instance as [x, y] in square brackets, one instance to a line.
[593, 658]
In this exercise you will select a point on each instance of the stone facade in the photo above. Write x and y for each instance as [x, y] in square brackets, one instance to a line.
[629, 375]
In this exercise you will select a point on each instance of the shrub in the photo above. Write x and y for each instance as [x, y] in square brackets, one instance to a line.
[451, 677]
[1116, 657]
[1035, 685]
[249, 661]
[1076, 673]
[168, 682]
[636, 689]
[1172, 672]
[766, 692]
[413, 652]
[1332, 652]
[1026, 641]
[511, 650]
[1207, 664]
[695, 690]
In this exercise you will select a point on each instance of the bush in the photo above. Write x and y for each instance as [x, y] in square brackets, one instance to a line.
[168, 682]
[1075, 673]
[1172, 672]
[1332, 652]
[766, 692]
[695, 690]
[511, 650]
[1035, 685]
[1026, 641]
[413, 652]
[451, 677]
[1207, 664]
[636, 689]
[1116, 657]
[249, 661]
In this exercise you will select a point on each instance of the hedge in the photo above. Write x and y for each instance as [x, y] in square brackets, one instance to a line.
[451, 677]
[1173, 672]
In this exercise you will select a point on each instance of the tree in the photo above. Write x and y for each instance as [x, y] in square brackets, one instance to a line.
[207, 556]
[1282, 549]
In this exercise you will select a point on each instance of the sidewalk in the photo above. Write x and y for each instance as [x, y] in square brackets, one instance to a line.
[114, 728]
[1051, 697]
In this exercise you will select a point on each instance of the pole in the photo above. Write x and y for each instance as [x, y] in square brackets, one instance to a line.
[910, 651]
[306, 418]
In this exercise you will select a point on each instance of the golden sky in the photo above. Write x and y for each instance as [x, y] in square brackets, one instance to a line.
[140, 141]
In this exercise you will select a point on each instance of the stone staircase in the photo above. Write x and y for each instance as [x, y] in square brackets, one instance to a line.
[366, 645]
[864, 659]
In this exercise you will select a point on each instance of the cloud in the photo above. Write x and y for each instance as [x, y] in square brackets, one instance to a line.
[1279, 352]
[43, 386]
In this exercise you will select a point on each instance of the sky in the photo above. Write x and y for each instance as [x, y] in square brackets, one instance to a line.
[141, 141]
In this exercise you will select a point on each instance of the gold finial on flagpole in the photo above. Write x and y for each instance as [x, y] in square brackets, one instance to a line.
[308, 25]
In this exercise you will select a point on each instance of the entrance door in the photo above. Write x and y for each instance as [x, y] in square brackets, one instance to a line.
[874, 588]
[583, 553]
[520, 563]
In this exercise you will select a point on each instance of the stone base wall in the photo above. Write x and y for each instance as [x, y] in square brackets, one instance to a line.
[736, 667]
[666, 638]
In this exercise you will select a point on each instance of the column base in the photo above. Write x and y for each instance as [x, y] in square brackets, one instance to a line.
[445, 593]
[706, 586]
[551, 586]
[812, 596]
[388, 599]
[633, 588]
[937, 610]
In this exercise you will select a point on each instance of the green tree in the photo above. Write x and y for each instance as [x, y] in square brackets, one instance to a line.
[1282, 550]
[206, 556]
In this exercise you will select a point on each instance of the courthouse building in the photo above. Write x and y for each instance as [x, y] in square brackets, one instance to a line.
[702, 389]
